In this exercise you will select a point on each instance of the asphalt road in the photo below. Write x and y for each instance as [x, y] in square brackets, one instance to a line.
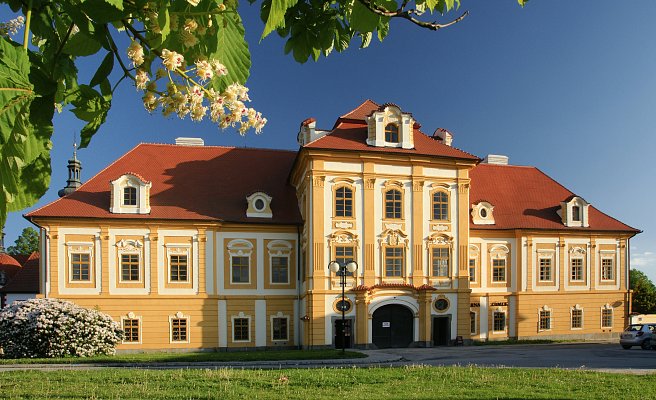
[571, 355]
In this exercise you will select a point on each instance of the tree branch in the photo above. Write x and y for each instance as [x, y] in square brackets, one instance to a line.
[408, 15]
[114, 48]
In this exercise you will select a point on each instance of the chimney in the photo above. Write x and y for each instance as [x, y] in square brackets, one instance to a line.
[443, 135]
[189, 141]
[496, 159]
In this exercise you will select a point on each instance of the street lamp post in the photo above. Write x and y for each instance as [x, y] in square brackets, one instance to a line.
[342, 270]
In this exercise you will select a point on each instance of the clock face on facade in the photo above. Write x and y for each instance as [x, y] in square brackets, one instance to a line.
[441, 304]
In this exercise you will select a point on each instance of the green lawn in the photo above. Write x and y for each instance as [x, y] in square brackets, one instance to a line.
[310, 384]
[269, 355]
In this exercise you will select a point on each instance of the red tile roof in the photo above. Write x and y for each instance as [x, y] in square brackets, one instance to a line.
[27, 279]
[526, 198]
[9, 265]
[350, 133]
[190, 183]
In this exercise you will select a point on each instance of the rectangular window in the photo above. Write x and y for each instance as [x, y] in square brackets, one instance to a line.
[129, 196]
[472, 270]
[545, 270]
[545, 320]
[240, 269]
[279, 269]
[441, 262]
[178, 268]
[393, 204]
[344, 254]
[279, 329]
[393, 261]
[472, 322]
[607, 269]
[179, 330]
[607, 318]
[131, 330]
[499, 270]
[240, 330]
[499, 321]
[440, 206]
[343, 202]
[576, 269]
[80, 267]
[577, 318]
[129, 267]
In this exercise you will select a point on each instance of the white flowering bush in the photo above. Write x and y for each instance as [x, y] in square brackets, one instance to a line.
[56, 328]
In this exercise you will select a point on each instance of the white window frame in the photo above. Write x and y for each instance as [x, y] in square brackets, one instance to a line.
[131, 315]
[549, 316]
[179, 315]
[551, 268]
[476, 322]
[571, 269]
[240, 248]
[607, 307]
[505, 320]
[130, 247]
[283, 249]
[499, 252]
[80, 248]
[241, 315]
[612, 268]
[577, 307]
[281, 316]
[178, 249]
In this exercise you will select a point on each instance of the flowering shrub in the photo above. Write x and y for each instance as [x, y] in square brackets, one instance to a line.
[56, 328]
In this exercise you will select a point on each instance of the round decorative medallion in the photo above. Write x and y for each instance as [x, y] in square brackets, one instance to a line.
[342, 305]
[259, 205]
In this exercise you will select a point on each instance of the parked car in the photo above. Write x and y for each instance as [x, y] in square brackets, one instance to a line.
[643, 335]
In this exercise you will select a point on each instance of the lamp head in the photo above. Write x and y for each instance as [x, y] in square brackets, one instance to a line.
[351, 266]
[334, 266]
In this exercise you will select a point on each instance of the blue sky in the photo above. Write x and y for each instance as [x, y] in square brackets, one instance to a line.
[566, 86]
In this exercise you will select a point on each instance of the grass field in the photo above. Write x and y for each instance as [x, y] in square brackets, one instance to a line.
[310, 384]
[269, 355]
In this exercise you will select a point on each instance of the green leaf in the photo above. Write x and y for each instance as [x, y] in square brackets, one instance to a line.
[104, 70]
[25, 131]
[104, 11]
[92, 107]
[231, 49]
[81, 45]
[273, 14]
[362, 19]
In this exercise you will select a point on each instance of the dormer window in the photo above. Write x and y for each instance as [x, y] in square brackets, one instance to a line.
[482, 213]
[574, 212]
[392, 133]
[259, 205]
[130, 194]
[390, 127]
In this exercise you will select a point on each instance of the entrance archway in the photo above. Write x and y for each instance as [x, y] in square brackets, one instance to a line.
[392, 326]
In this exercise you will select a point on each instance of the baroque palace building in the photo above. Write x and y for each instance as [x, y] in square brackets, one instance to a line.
[203, 247]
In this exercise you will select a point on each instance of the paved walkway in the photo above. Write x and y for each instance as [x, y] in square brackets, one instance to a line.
[604, 357]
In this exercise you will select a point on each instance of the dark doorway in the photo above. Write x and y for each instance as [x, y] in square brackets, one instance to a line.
[441, 331]
[347, 338]
[392, 326]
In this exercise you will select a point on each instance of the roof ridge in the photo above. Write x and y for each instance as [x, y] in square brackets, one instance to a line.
[216, 146]
[453, 147]
[87, 181]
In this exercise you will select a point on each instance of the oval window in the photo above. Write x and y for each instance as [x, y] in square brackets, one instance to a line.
[483, 213]
[441, 304]
[343, 305]
[259, 204]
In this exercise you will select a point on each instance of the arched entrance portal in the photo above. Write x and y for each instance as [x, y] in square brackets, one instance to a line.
[392, 326]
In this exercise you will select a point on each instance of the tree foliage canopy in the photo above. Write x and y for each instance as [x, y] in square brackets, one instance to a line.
[26, 243]
[188, 57]
[644, 293]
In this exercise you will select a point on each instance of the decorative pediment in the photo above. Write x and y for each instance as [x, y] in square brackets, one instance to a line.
[577, 251]
[279, 248]
[240, 248]
[129, 246]
[344, 237]
[393, 237]
[499, 251]
[474, 251]
[439, 240]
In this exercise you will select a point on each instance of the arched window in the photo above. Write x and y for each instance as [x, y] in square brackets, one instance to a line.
[343, 202]
[393, 204]
[576, 213]
[129, 196]
[440, 206]
[392, 133]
